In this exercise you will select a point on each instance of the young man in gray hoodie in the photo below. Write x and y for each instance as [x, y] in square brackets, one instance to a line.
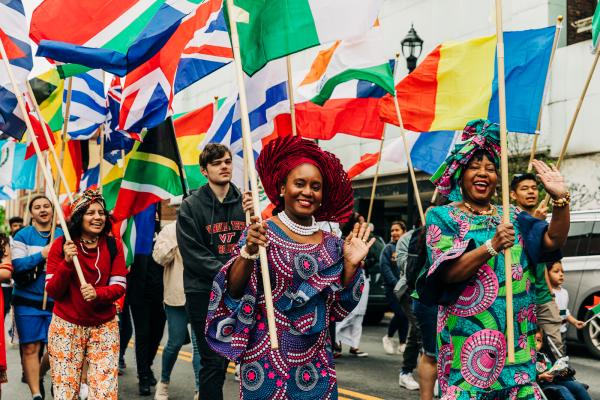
[209, 224]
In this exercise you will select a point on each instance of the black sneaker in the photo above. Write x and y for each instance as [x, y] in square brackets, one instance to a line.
[152, 379]
[42, 389]
[144, 386]
[37, 397]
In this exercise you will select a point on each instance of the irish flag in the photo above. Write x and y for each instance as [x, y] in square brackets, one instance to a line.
[271, 29]
[362, 58]
[458, 82]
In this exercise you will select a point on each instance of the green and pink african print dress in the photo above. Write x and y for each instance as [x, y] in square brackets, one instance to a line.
[472, 320]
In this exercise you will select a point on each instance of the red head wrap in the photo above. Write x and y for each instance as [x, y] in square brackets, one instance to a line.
[283, 154]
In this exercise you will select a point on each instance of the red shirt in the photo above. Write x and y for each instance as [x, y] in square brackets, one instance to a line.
[107, 278]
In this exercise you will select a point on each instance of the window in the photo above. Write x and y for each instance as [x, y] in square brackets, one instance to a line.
[594, 245]
[577, 241]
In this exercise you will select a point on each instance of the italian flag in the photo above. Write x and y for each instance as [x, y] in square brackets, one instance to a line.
[271, 29]
[363, 58]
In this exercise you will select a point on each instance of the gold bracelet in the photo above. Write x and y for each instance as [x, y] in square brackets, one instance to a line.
[562, 201]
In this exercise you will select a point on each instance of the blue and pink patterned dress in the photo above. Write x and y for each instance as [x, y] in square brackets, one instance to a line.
[307, 295]
[471, 342]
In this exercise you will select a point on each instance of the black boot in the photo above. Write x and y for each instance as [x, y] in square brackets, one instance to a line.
[144, 386]
[152, 379]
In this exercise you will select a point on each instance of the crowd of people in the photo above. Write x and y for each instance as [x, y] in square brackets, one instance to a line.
[75, 304]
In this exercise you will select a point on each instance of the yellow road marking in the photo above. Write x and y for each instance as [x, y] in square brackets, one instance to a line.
[357, 395]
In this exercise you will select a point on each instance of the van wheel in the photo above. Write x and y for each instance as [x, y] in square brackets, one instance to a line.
[591, 335]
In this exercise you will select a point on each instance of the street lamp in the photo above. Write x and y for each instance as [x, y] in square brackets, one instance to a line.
[412, 45]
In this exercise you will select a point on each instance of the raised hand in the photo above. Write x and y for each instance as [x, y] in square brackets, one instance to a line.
[356, 245]
[551, 178]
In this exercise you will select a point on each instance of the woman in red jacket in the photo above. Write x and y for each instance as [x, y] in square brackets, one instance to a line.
[84, 325]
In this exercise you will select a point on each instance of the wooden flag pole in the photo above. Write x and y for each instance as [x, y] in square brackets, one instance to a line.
[376, 176]
[559, 20]
[52, 150]
[510, 329]
[565, 145]
[290, 88]
[38, 151]
[246, 139]
[411, 169]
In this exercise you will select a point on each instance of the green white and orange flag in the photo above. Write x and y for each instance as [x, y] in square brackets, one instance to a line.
[271, 29]
[363, 58]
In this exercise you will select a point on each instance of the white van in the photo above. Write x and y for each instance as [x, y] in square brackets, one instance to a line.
[581, 263]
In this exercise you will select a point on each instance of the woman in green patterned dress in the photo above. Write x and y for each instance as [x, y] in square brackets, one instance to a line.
[465, 241]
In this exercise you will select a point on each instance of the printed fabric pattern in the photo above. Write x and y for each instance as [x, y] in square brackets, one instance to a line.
[307, 295]
[472, 346]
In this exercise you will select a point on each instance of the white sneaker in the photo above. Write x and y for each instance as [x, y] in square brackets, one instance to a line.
[407, 381]
[236, 375]
[436, 389]
[401, 348]
[388, 345]
[162, 391]
[84, 391]
[197, 396]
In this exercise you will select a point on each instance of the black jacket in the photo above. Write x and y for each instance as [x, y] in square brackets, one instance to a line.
[207, 232]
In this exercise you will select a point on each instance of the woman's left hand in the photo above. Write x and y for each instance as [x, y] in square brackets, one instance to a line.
[88, 292]
[551, 178]
[356, 245]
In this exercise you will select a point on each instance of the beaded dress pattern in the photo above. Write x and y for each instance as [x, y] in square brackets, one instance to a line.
[307, 295]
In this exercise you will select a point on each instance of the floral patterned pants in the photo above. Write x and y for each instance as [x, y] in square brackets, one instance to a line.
[70, 344]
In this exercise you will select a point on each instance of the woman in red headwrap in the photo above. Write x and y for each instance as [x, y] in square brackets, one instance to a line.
[84, 325]
[315, 277]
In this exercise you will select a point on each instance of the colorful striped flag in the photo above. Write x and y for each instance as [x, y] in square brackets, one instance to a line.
[88, 104]
[273, 29]
[148, 90]
[134, 243]
[14, 35]
[48, 91]
[363, 58]
[113, 35]
[439, 93]
[189, 131]
[16, 172]
[151, 173]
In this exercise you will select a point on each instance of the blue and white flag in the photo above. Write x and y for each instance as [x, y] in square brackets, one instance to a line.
[267, 97]
[15, 171]
[89, 178]
[14, 25]
[88, 104]
[431, 149]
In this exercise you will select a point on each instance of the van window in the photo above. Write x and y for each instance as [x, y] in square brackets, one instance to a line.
[594, 248]
[577, 242]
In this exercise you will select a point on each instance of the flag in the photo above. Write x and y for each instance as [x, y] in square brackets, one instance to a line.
[7, 193]
[209, 50]
[148, 90]
[48, 91]
[596, 27]
[595, 307]
[189, 131]
[134, 244]
[89, 178]
[114, 35]
[267, 97]
[88, 104]
[111, 182]
[362, 58]
[151, 173]
[16, 172]
[275, 28]
[352, 110]
[428, 151]
[72, 163]
[113, 106]
[38, 131]
[458, 82]
[14, 35]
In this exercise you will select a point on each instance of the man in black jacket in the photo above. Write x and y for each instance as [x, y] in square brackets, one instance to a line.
[209, 225]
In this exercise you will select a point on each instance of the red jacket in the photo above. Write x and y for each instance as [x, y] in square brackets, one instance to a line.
[63, 285]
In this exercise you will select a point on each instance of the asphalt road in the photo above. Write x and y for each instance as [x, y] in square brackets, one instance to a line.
[371, 378]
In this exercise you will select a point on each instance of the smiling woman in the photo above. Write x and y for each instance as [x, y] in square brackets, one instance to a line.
[84, 327]
[465, 244]
[316, 277]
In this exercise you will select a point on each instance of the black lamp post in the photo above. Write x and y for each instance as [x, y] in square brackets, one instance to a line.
[412, 45]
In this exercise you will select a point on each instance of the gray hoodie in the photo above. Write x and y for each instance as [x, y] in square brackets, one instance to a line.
[207, 232]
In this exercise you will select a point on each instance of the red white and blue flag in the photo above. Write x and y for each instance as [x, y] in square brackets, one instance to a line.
[148, 90]
[116, 140]
[14, 36]
[209, 50]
